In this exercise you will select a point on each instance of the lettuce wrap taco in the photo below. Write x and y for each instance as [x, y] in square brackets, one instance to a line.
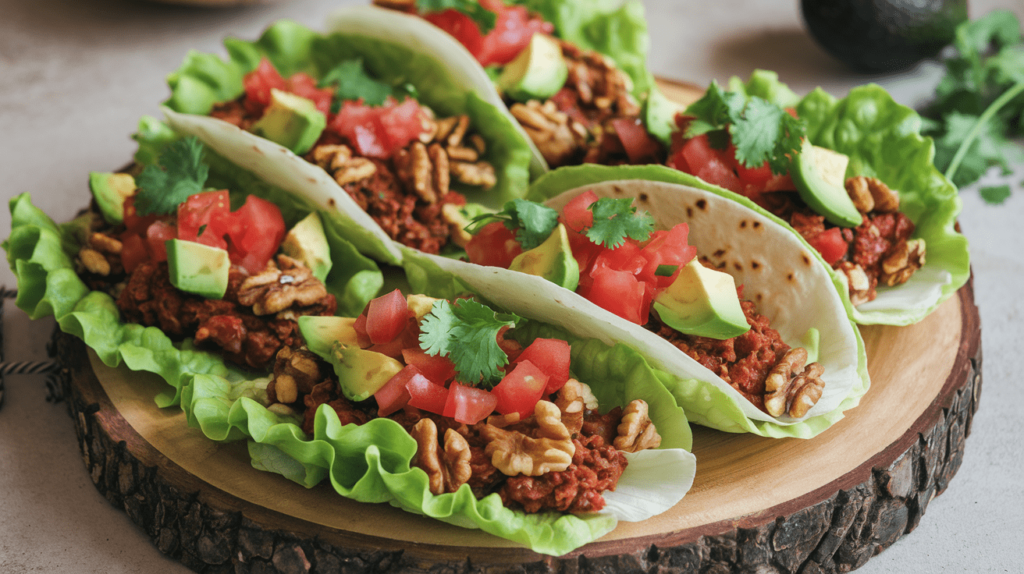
[573, 73]
[391, 137]
[748, 327]
[853, 176]
[161, 275]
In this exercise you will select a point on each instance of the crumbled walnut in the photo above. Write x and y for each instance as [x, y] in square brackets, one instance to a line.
[790, 386]
[353, 170]
[903, 260]
[465, 154]
[94, 261]
[883, 199]
[550, 132]
[447, 473]
[331, 156]
[858, 281]
[549, 449]
[478, 143]
[570, 401]
[296, 372]
[101, 254]
[454, 139]
[414, 168]
[337, 160]
[636, 431]
[105, 244]
[280, 286]
[442, 176]
[445, 127]
[857, 189]
[457, 223]
[480, 174]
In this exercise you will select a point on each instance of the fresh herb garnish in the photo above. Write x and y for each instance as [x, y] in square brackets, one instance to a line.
[760, 130]
[483, 17]
[995, 194]
[467, 333]
[532, 222]
[978, 104]
[180, 174]
[616, 219]
[202, 229]
[354, 83]
[665, 270]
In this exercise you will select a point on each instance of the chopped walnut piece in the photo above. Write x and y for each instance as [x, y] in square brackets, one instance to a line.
[465, 154]
[331, 156]
[94, 261]
[857, 189]
[572, 404]
[457, 223]
[858, 281]
[904, 259]
[442, 176]
[883, 199]
[478, 143]
[353, 170]
[296, 372]
[445, 473]
[785, 386]
[279, 287]
[101, 254]
[458, 132]
[444, 128]
[415, 169]
[636, 431]
[549, 449]
[550, 131]
[480, 174]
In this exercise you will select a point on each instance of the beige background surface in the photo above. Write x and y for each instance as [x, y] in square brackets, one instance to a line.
[75, 76]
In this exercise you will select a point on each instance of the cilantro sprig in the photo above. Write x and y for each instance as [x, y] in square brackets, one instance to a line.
[352, 82]
[483, 17]
[180, 173]
[760, 130]
[617, 219]
[532, 222]
[467, 333]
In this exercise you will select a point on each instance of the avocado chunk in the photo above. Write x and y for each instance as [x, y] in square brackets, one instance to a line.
[110, 190]
[819, 175]
[702, 302]
[320, 333]
[551, 260]
[292, 121]
[538, 72]
[361, 373]
[197, 268]
[307, 243]
[420, 305]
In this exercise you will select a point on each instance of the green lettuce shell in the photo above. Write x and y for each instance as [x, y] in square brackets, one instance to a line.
[883, 139]
[369, 463]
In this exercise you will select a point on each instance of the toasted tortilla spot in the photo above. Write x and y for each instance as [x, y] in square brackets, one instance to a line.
[258, 150]
[789, 277]
[718, 254]
[738, 266]
[702, 204]
[757, 224]
[743, 224]
[689, 212]
[807, 260]
[330, 201]
[643, 198]
[618, 190]
[755, 265]
[759, 297]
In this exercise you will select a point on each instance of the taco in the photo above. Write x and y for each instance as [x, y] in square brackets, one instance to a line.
[209, 335]
[573, 73]
[720, 295]
[860, 186]
[394, 139]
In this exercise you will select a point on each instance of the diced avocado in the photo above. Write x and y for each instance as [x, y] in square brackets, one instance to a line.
[306, 242]
[361, 373]
[292, 121]
[702, 302]
[320, 333]
[197, 268]
[819, 175]
[420, 305]
[537, 72]
[551, 260]
[110, 190]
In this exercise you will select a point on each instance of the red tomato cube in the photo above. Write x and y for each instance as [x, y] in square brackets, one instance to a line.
[520, 390]
[552, 357]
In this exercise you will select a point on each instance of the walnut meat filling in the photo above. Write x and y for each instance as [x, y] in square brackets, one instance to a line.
[546, 448]
[791, 387]
[448, 468]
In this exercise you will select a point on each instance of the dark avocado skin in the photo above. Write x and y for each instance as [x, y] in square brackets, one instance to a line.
[883, 35]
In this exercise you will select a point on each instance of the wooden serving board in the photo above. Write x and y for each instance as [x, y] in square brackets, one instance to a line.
[821, 505]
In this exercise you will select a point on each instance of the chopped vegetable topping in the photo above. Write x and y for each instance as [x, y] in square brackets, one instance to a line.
[531, 221]
[180, 173]
[483, 17]
[353, 83]
[616, 219]
[467, 333]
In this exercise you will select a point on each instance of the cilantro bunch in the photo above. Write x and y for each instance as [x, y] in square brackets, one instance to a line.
[979, 103]
[467, 333]
[760, 130]
[180, 173]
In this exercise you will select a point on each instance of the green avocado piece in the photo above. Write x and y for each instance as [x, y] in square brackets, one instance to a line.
[819, 175]
[551, 260]
[197, 268]
[537, 73]
[702, 302]
[307, 243]
[110, 190]
[361, 373]
[320, 333]
[292, 121]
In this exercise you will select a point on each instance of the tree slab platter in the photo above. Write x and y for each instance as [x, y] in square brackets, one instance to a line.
[822, 505]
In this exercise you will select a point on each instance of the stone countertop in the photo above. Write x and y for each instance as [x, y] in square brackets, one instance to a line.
[76, 76]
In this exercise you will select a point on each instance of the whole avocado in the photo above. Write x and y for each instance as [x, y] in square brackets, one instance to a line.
[883, 35]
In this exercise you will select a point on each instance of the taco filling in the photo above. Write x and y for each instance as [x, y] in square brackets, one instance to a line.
[396, 159]
[574, 103]
[610, 254]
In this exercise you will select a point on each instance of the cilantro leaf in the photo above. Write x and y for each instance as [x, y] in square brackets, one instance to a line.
[483, 17]
[354, 83]
[616, 219]
[532, 221]
[180, 173]
[714, 110]
[467, 333]
[995, 194]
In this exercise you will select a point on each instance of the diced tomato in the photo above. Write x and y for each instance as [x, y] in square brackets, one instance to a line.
[830, 244]
[666, 247]
[468, 405]
[460, 26]
[133, 251]
[395, 394]
[157, 235]
[379, 131]
[258, 235]
[575, 214]
[437, 368]
[519, 390]
[133, 222]
[756, 176]
[640, 146]
[626, 257]
[495, 245]
[426, 395]
[619, 292]
[386, 317]
[305, 86]
[552, 357]
[585, 252]
[258, 84]
[402, 123]
[512, 31]
[208, 212]
[720, 173]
